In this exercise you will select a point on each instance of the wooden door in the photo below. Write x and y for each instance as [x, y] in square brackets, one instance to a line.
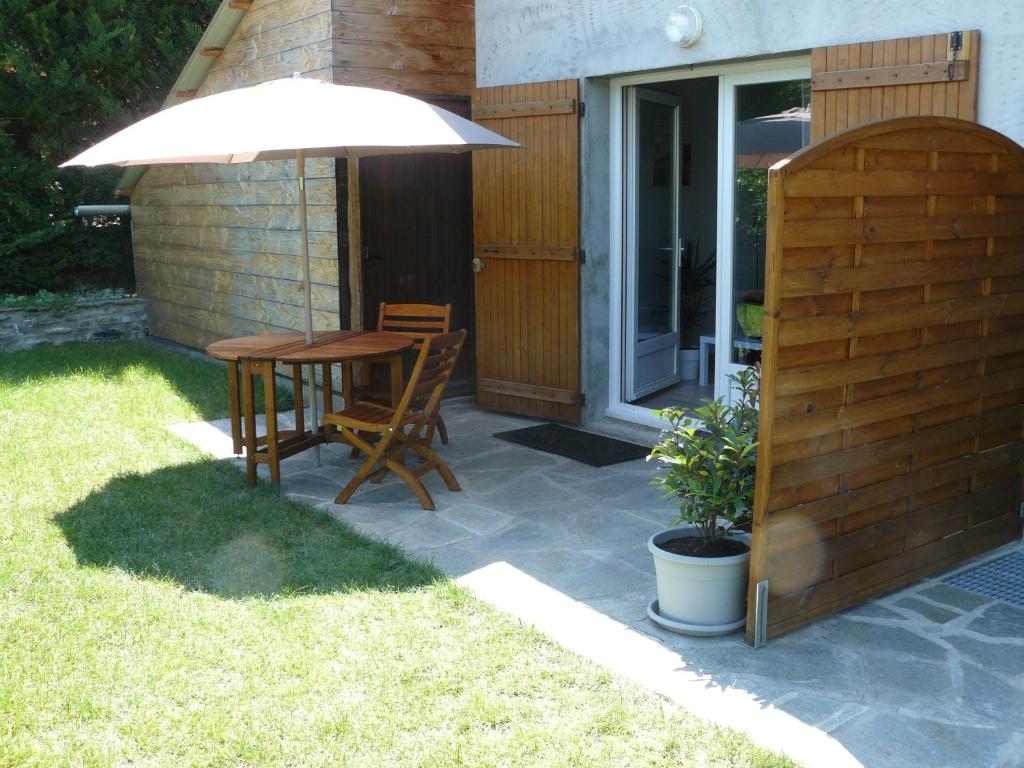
[858, 83]
[526, 232]
[417, 236]
[892, 398]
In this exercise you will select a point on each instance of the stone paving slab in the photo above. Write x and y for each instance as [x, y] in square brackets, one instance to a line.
[927, 676]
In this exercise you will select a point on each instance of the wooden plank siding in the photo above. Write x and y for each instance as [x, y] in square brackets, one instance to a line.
[420, 47]
[217, 246]
[892, 417]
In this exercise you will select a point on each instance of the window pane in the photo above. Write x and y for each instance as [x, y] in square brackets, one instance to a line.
[655, 222]
[773, 122]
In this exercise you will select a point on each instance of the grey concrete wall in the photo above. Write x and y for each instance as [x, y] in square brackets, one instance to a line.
[595, 200]
[522, 41]
[85, 321]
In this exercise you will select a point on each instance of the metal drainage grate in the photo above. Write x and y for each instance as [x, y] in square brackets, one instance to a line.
[1001, 579]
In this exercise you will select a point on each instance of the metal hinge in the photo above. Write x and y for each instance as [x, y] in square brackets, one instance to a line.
[582, 108]
[956, 44]
[581, 256]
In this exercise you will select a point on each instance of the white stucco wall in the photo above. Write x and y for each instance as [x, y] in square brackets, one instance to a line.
[522, 41]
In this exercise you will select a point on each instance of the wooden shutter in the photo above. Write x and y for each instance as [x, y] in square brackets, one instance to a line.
[526, 238]
[892, 399]
[862, 82]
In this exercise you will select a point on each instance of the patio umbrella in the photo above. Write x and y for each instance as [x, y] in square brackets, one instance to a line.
[291, 118]
[763, 141]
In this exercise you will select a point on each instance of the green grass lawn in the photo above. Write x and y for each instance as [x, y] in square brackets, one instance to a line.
[155, 611]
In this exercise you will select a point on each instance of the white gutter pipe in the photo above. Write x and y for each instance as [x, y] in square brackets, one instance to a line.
[103, 210]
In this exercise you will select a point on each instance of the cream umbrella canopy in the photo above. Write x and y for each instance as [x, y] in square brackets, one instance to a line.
[291, 118]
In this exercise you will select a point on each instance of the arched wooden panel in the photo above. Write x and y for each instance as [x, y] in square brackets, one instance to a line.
[893, 364]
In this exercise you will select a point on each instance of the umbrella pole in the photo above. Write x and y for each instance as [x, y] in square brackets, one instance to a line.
[307, 293]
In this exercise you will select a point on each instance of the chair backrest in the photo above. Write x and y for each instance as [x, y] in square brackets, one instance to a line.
[417, 321]
[434, 366]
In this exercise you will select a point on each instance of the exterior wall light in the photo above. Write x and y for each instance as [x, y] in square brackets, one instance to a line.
[683, 26]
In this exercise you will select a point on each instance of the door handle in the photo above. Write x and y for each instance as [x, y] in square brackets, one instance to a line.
[478, 264]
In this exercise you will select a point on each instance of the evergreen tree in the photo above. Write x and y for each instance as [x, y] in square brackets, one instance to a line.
[72, 73]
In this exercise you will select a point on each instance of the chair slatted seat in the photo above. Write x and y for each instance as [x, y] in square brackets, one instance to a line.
[419, 322]
[405, 427]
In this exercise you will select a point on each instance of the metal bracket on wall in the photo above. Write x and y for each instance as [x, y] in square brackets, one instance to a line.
[761, 614]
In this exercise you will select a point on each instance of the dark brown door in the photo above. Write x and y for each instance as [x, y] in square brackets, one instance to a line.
[417, 236]
[526, 219]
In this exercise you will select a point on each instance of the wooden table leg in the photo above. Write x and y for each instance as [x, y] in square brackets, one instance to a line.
[249, 412]
[328, 429]
[236, 411]
[346, 384]
[266, 367]
[300, 404]
[328, 389]
[397, 388]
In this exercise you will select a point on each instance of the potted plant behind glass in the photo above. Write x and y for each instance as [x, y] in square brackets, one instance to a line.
[709, 458]
[696, 275]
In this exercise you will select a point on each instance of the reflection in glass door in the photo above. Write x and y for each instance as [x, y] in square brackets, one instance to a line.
[762, 123]
[653, 243]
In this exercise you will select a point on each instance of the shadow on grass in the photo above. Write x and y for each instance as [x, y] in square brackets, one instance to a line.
[202, 382]
[201, 526]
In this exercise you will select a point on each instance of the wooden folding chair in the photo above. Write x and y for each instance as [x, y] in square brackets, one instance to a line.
[405, 427]
[419, 322]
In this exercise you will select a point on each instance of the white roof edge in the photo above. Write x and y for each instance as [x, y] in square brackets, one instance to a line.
[216, 35]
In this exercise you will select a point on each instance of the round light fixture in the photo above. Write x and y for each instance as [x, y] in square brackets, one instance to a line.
[683, 26]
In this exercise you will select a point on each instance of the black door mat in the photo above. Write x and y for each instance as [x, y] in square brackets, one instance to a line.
[575, 444]
[1001, 579]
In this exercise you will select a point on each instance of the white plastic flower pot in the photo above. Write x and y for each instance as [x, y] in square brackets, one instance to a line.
[689, 364]
[699, 595]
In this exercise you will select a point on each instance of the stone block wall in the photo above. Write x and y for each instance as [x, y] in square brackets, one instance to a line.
[106, 320]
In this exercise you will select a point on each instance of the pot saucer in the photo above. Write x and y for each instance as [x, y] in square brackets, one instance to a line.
[697, 630]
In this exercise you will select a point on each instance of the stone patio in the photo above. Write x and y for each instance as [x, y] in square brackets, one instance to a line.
[927, 676]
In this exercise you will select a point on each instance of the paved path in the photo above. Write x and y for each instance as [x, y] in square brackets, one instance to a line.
[928, 676]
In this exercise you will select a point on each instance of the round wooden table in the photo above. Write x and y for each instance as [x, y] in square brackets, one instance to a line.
[259, 354]
[232, 350]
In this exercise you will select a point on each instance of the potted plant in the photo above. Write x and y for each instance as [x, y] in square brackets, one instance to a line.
[708, 457]
[696, 275]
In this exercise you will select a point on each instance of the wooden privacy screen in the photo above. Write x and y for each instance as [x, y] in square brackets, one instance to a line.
[860, 83]
[526, 228]
[893, 379]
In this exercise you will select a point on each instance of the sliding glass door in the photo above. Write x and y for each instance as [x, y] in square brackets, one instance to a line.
[764, 117]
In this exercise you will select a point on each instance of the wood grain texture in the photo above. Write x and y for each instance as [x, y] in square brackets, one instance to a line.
[226, 237]
[412, 46]
[526, 232]
[892, 416]
[217, 246]
[854, 84]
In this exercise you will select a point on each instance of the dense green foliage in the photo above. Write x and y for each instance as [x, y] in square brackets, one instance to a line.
[44, 299]
[71, 74]
[710, 458]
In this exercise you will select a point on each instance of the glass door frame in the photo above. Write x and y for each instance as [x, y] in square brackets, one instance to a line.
[725, 310]
[766, 70]
[634, 345]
